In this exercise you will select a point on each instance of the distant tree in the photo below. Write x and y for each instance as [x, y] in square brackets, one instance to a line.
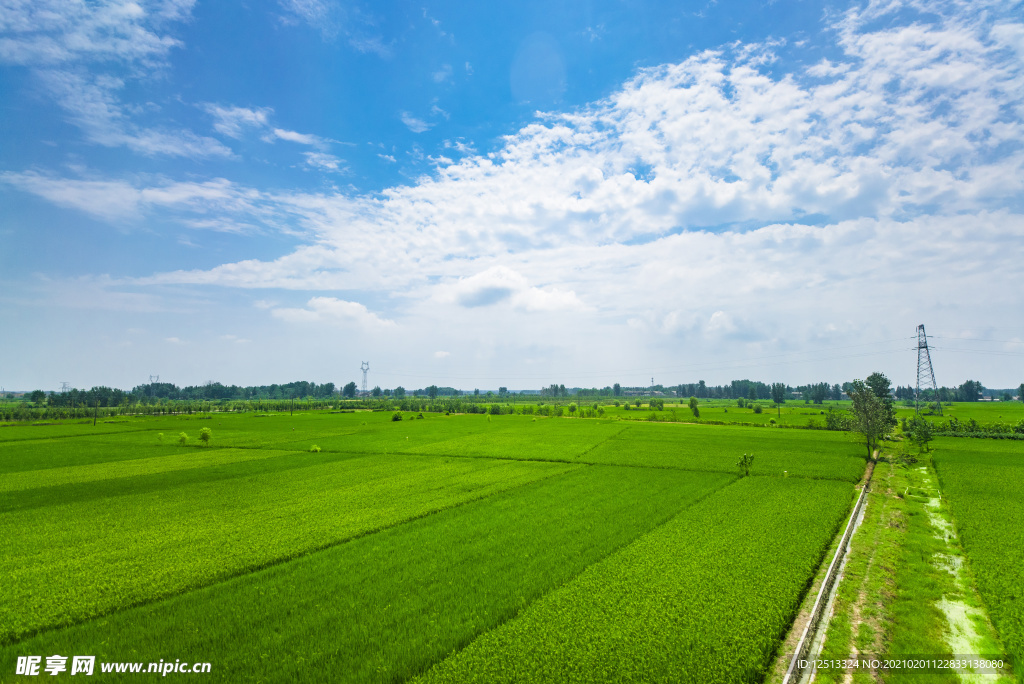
[502, 391]
[745, 462]
[969, 391]
[38, 397]
[476, 393]
[919, 431]
[432, 392]
[702, 390]
[837, 392]
[617, 390]
[779, 392]
[1020, 392]
[182, 438]
[349, 391]
[752, 393]
[694, 408]
[204, 436]
[572, 407]
[399, 392]
[376, 391]
[870, 415]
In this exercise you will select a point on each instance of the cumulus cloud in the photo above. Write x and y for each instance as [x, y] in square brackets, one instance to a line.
[502, 284]
[333, 310]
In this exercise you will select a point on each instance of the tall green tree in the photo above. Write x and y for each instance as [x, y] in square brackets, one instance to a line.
[1020, 392]
[349, 391]
[882, 388]
[870, 415]
[779, 392]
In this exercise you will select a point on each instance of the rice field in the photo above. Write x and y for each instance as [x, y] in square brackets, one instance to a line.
[358, 548]
[983, 481]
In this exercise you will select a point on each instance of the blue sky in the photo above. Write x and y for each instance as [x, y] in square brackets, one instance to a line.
[477, 195]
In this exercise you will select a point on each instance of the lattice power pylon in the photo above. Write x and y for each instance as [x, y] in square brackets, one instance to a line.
[925, 374]
[366, 368]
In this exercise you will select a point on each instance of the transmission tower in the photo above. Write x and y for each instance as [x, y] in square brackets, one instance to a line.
[64, 387]
[366, 367]
[925, 374]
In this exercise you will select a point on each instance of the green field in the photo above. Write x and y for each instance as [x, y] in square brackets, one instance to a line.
[984, 484]
[433, 547]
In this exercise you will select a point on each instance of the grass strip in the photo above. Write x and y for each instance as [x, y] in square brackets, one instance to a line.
[984, 487]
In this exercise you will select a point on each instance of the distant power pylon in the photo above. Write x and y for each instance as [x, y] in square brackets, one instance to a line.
[366, 367]
[64, 387]
[925, 374]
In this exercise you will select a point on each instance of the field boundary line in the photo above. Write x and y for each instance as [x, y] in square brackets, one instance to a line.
[795, 670]
[609, 437]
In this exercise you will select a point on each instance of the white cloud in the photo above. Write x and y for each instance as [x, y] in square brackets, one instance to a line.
[93, 105]
[301, 138]
[413, 124]
[333, 310]
[441, 354]
[443, 74]
[323, 161]
[231, 120]
[502, 284]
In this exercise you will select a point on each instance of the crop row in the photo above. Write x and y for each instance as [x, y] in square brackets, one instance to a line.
[69, 561]
[707, 597]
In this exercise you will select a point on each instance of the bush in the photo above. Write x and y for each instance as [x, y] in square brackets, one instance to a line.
[182, 439]
[495, 410]
[758, 409]
[314, 449]
[741, 402]
[419, 416]
[204, 435]
[396, 416]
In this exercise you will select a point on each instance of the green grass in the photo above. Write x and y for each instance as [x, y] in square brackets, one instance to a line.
[88, 558]
[385, 607]
[706, 597]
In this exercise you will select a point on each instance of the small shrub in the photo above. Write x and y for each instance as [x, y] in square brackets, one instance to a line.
[160, 437]
[397, 415]
[758, 409]
[314, 449]
[419, 416]
[204, 436]
[182, 439]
